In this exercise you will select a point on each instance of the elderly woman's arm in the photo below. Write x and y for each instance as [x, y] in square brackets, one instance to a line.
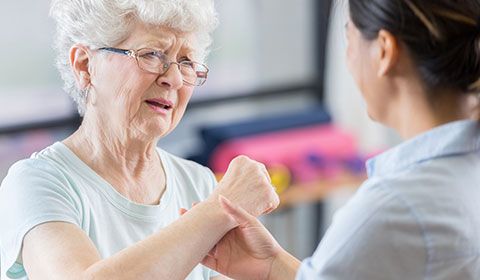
[63, 251]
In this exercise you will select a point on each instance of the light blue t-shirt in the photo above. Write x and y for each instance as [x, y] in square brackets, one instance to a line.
[55, 185]
[416, 217]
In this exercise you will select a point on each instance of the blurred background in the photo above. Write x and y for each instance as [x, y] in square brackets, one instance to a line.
[278, 91]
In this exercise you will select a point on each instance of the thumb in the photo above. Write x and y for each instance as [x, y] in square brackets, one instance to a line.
[241, 216]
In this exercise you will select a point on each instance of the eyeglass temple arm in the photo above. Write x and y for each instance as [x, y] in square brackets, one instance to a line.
[115, 50]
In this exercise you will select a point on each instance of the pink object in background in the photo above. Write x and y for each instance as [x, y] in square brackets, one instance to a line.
[291, 148]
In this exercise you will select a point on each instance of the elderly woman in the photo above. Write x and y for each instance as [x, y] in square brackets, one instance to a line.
[104, 203]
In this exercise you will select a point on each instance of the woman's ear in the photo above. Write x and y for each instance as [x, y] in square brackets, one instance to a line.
[388, 52]
[79, 60]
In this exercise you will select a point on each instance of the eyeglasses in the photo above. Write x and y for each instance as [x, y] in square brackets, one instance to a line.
[156, 62]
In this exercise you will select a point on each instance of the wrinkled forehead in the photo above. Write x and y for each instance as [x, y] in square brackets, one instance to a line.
[163, 38]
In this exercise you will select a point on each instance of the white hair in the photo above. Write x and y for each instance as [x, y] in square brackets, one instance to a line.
[104, 23]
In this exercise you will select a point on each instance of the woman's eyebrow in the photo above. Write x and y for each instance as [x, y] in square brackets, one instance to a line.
[188, 49]
[162, 44]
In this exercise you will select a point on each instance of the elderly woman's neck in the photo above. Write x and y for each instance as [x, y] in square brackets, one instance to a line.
[133, 167]
[106, 143]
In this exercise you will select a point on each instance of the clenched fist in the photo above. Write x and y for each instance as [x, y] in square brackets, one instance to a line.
[247, 184]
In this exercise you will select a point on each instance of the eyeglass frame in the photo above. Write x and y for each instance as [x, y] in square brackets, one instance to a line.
[166, 66]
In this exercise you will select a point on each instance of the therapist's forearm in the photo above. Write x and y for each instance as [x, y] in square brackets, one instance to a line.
[171, 253]
[284, 267]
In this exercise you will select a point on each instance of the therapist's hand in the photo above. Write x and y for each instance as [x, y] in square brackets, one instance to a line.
[246, 252]
[247, 185]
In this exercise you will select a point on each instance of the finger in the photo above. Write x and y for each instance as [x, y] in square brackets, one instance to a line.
[183, 211]
[269, 178]
[275, 199]
[265, 171]
[275, 202]
[237, 213]
[270, 209]
[239, 160]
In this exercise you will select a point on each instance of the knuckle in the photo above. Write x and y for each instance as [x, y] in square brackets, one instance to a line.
[235, 160]
[266, 181]
[242, 158]
[260, 168]
[276, 200]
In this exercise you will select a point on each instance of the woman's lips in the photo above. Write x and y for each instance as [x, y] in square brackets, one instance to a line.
[160, 105]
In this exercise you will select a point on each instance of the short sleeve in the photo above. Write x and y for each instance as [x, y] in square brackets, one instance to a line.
[375, 237]
[32, 193]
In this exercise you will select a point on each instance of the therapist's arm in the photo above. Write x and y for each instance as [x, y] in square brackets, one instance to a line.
[249, 251]
[58, 250]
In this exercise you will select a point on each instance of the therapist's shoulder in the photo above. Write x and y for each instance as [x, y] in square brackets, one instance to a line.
[376, 193]
[443, 196]
[379, 207]
[412, 186]
[375, 204]
[431, 187]
[402, 197]
[376, 234]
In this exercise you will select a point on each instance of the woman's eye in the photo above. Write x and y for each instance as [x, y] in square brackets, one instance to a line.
[150, 55]
[186, 61]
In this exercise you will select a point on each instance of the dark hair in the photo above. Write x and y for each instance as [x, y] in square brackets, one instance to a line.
[443, 36]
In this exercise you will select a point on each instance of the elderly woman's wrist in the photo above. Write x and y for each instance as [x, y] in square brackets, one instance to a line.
[218, 214]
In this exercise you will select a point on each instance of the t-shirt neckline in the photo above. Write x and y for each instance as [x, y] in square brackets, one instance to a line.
[136, 210]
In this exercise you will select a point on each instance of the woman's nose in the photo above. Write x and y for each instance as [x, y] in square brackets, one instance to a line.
[172, 78]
